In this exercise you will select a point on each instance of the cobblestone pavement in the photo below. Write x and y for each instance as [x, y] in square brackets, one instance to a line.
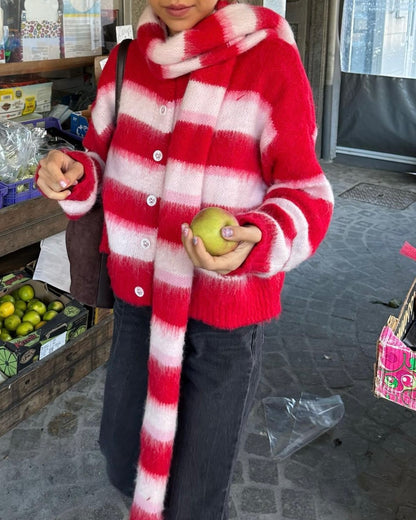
[324, 343]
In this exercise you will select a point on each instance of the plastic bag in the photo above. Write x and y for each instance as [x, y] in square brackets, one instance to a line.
[21, 147]
[18, 151]
[293, 423]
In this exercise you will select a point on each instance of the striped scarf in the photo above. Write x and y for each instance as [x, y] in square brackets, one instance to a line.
[208, 53]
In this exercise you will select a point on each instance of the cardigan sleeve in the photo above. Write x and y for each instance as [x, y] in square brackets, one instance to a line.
[296, 211]
[96, 143]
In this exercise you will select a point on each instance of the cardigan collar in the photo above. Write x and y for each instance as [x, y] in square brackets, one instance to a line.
[230, 30]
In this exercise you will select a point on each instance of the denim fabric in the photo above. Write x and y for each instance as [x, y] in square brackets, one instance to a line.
[220, 374]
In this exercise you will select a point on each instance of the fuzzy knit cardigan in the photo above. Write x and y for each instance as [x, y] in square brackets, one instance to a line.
[218, 115]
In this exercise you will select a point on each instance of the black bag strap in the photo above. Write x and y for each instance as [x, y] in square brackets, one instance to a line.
[121, 61]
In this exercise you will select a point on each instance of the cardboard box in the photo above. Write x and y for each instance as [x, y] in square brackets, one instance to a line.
[20, 99]
[72, 321]
[395, 368]
[79, 125]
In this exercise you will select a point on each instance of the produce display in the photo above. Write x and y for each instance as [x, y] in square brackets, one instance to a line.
[21, 312]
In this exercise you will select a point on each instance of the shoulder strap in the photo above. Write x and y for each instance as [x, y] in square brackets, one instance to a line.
[121, 61]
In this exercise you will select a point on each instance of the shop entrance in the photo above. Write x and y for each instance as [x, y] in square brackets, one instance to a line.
[377, 103]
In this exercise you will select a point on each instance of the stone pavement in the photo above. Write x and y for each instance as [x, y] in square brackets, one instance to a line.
[324, 343]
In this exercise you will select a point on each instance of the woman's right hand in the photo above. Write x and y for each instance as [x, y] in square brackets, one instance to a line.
[57, 174]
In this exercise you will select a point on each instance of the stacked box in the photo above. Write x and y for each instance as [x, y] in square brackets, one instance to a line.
[20, 98]
[395, 369]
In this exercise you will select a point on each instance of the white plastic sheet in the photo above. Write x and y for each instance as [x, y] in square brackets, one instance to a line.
[293, 423]
[52, 266]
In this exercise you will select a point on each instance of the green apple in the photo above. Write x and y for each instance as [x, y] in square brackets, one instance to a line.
[207, 225]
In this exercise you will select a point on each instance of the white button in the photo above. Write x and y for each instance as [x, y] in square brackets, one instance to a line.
[151, 200]
[138, 291]
[145, 243]
[163, 109]
[157, 155]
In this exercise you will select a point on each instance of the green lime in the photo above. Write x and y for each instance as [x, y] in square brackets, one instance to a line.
[32, 317]
[56, 305]
[12, 322]
[26, 292]
[7, 298]
[15, 294]
[38, 306]
[24, 328]
[5, 335]
[30, 303]
[49, 315]
[20, 304]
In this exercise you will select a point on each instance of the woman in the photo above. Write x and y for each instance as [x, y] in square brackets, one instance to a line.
[215, 110]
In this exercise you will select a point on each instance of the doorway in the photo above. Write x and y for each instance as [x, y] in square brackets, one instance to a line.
[377, 102]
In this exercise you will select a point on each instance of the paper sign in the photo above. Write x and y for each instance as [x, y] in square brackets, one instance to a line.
[82, 28]
[123, 32]
[52, 345]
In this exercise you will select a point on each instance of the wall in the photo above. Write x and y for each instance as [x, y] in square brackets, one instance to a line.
[309, 21]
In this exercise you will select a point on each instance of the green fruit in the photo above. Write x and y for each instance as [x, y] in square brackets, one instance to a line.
[49, 315]
[12, 322]
[55, 305]
[24, 329]
[20, 304]
[32, 317]
[5, 335]
[207, 225]
[7, 298]
[26, 292]
[38, 306]
[19, 312]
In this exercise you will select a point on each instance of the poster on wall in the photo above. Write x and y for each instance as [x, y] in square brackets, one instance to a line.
[81, 28]
[41, 30]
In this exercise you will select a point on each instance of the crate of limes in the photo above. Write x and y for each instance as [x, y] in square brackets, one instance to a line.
[19, 191]
[35, 320]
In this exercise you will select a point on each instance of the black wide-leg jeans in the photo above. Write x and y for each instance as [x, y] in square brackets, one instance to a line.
[220, 375]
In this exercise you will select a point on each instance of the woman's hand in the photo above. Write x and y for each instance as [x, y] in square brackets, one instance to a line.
[57, 173]
[246, 236]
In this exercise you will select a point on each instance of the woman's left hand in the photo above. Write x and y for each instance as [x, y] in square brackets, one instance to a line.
[246, 236]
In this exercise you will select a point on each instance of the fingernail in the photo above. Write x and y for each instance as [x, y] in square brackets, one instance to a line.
[227, 232]
[195, 241]
[185, 230]
[62, 184]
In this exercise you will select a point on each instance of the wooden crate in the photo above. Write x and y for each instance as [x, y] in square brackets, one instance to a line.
[40, 383]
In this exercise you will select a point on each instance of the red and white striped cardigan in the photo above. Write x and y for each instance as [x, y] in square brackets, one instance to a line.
[219, 115]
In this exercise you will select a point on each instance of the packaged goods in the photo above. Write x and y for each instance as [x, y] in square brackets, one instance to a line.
[22, 97]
